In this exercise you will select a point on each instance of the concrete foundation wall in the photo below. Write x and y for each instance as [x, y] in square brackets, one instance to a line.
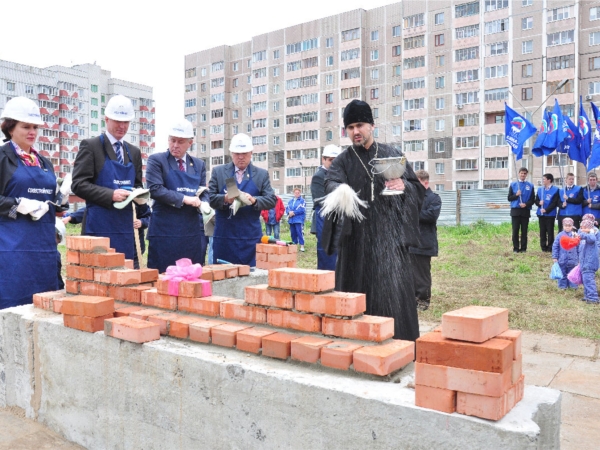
[103, 393]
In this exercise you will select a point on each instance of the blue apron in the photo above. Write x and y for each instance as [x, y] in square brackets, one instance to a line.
[28, 248]
[113, 223]
[235, 237]
[176, 233]
[324, 261]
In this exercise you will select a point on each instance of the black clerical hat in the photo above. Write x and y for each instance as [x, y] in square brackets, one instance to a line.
[358, 111]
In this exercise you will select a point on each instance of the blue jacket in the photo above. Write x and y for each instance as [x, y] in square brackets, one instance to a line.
[548, 200]
[298, 207]
[526, 189]
[594, 208]
[569, 258]
[588, 252]
[574, 201]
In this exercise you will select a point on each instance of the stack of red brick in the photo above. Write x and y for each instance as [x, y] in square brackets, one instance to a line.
[473, 366]
[217, 272]
[273, 256]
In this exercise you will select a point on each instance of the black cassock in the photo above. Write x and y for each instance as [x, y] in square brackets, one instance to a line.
[373, 255]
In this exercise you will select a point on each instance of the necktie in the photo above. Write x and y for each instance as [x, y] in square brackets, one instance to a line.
[239, 175]
[119, 152]
[181, 166]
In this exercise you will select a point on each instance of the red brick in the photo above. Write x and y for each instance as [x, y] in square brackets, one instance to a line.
[474, 323]
[85, 323]
[200, 288]
[282, 258]
[57, 305]
[163, 320]
[162, 286]
[88, 243]
[231, 271]
[338, 354]
[278, 345]
[80, 273]
[151, 297]
[128, 264]
[201, 331]
[517, 369]
[293, 320]
[144, 314]
[266, 265]
[515, 337]
[43, 300]
[490, 408]
[291, 264]
[308, 348]
[463, 380]
[119, 277]
[272, 249]
[261, 294]
[72, 257]
[90, 306]
[243, 270]
[131, 294]
[111, 250]
[104, 260]
[250, 340]
[236, 310]
[494, 355]
[302, 279]
[148, 275]
[333, 303]
[365, 328]
[179, 327]
[132, 330]
[217, 271]
[292, 249]
[261, 257]
[72, 286]
[125, 311]
[95, 289]
[205, 306]
[206, 274]
[225, 335]
[434, 398]
[384, 359]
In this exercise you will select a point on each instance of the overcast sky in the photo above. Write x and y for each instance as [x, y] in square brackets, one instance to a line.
[146, 41]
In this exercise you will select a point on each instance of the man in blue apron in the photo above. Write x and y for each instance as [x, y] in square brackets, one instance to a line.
[571, 202]
[236, 234]
[521, 197]
[591, 196]
[105, 171]
[174, 177]
[317, 189]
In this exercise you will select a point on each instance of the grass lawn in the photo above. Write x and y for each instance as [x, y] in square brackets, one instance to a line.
[476, 266]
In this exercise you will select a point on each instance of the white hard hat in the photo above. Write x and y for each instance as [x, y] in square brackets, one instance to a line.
[331, 151]
[182, 129]
[120, 108]
[61, 230]
[23, 110]
[241, 143]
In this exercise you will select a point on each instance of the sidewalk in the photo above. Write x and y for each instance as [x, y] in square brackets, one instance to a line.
[568, 364]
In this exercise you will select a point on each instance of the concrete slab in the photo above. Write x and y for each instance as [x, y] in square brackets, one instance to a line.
[234, 287]
[563, 345]
[579, 428]
[106, 393]
[530, 341]
[580, 377]
[541, 368]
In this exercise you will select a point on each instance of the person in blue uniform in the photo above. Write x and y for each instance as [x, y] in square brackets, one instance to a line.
[105, 171]
[547, 201]
[296, 211]
[236, 235]
[591, 197]
[570, 202]
[317, 189]
[521, 197]
[28, 263]
[174, 178]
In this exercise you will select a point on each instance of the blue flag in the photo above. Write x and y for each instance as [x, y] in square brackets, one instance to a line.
[594, 160]
[537, 146]
[517, 130]
[571, 143]
[585, 132]
[554, 130]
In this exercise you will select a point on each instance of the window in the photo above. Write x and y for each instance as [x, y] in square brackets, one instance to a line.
[527, 93]
[375, 35]
[414, 42]
[276, 54]
[595, 38]
[467, 120]
[202, 72]
[190, 102]
[468, 31]
[276, 140]
[297, 83]
[467, 142]
[440, 61]
[94, 87]
[329, 79]
[329, 135]
[348, 55]
[374, 55]
[414, 146]
[414, 103]
[396, 50]
[527, 23]
[556, 160]
[396, 130]
[203, 87]
[216, 160]
[275, 71]
[329, 42]
[440, 124]
[465, 98]
[350, 35]
[216, 66]
[495, 140]
[349, 74]
[492, 95]
[440, 82]
[493, 5]
[594, 88]
[94, 114]
[28, 89]
[467, 75]
[353, 92]
[275, 106]
[566, 89]
[396, 90]
[525, 3]
[466, 9]
[396, 31]
[235, 114]
[414, 63]
[564, 12]
[396, 110]
[416, 20]
[439, 40]
[498, 48]
[560, 62]
[418, 165]
[440, 103]
[560, 38]
[439, 18]
[439, 168]
[94, 126]
[496, 26]
[595, 63]
[374, 74]
[94, 101]
[413, 125]
[374, 93]
[467, 185]
[465, 54]
[329, 117]
[275, 175]
[495, 184]
[526, 47]
[329, 61]
[527, 70]
[439, 146]
[466, 164]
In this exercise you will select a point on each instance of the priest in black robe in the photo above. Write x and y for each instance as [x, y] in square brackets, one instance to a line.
[373, 255]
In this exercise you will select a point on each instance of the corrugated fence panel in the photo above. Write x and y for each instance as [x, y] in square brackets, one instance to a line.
[448, 213]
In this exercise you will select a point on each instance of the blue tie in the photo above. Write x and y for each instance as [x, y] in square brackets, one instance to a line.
[119, 152]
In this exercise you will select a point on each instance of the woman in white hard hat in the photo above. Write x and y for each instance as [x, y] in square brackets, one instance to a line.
[28, 263]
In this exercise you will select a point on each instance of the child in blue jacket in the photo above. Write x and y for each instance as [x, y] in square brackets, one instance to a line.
[588, 261]
[567, 259]
[296, 210]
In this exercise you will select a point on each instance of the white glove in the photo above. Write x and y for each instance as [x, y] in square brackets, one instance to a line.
[205, 208]
[244, 198]
[237, 204]
[65, 188]
[26, 205]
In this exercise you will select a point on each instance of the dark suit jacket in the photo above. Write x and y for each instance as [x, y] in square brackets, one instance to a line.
[9, 162]
[430, 211]
[317, 186]
[265, 200]
[159, 165]
[89, 163]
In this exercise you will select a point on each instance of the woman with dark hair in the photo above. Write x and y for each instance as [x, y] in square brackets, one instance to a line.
[28, 262]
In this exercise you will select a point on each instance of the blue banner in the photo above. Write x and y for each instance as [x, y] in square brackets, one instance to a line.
[517, 130]
[585, 132]
[537, 146]
[595, 153]
[571, 143]
[554, 133]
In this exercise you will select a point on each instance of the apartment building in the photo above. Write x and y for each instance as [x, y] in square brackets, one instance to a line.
[72, 101]
[436, 73]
